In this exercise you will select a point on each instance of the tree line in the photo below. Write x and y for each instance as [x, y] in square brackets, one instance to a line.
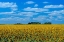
[36, 23]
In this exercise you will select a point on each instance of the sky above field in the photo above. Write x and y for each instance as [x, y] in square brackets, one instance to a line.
[24, 11]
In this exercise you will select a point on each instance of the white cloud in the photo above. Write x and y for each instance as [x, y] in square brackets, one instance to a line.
[27, 13]
[29, 2]
[59, 18]
[54, 6]
[51, 16]
[35, 9]
[36, 5]
[12, 13]
[48, 18]
[15, 19]
[14, 9]
[40, 18]
[7, 12]
[10, 5]
[56, 13]
[45, 2]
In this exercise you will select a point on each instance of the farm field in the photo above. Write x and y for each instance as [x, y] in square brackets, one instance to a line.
[31, 33]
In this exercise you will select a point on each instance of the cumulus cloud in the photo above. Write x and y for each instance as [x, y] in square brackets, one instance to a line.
[30, 14]
[40, 18]
[35, 9]
[56, 13]
[14, 19]
[36, 5]
[10, 5]
[58, 20]
[29, 2]
[60, 17]
[45, 2]
[54, 6]
[7, 13]
[51, 16]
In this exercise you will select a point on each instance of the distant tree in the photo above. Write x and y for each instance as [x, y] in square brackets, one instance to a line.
[18, 24]
[29, 23]
[34, 23]
[47, 23]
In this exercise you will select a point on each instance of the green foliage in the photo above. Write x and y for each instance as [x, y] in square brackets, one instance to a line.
[34, 23]
[17, 24]
[47, 23]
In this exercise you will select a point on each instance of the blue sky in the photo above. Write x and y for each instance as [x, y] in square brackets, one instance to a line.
[24, 11]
